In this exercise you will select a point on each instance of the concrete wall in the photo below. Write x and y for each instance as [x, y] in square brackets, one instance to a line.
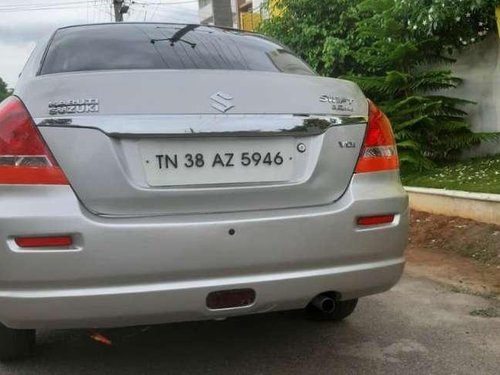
[206, 12]
[476, 206]
[479, 67]
[223, 15]
[218, 12]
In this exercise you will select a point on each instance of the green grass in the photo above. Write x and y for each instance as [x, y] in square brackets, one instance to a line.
[477, 175]
[464, 290]
[489, 312]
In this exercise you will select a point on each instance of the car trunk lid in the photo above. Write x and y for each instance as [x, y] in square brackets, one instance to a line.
[114, 133]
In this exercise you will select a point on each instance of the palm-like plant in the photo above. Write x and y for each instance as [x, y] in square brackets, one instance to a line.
[391, 49]
[428, 126]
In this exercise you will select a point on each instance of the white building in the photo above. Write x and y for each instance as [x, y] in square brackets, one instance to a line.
[219, 12]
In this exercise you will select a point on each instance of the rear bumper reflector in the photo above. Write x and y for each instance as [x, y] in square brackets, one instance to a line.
[33, 242]
[226, 299]
[375, 220]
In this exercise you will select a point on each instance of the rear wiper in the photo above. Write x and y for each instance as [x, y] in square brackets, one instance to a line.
[177, 37]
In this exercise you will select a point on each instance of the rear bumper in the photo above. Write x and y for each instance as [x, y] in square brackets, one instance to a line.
[153, 270]
[183, 301]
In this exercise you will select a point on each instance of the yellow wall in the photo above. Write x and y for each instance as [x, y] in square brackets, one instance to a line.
[249, 21]
[498, 19]
[274, 10]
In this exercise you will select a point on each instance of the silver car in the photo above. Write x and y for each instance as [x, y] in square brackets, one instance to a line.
[154, 173]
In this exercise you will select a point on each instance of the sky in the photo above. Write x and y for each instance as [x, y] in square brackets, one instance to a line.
[24, 22]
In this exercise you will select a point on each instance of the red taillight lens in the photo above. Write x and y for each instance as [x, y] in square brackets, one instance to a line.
[24, 156]
[59, 241]
[379, 151]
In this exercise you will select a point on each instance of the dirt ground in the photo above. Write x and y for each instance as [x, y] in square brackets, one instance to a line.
[460, 252]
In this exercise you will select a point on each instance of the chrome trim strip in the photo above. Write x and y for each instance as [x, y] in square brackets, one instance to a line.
[176, 126]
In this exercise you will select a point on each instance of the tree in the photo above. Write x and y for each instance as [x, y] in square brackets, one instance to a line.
[4, 91]
[390, 48]
[320, 31]
[400, 39]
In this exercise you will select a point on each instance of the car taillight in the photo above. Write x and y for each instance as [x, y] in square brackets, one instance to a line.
[24, 156]
[379, 151]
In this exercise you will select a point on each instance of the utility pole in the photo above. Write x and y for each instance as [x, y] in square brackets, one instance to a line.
[120, 9]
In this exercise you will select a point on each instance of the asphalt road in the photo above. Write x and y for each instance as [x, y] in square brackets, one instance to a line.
[419, 327]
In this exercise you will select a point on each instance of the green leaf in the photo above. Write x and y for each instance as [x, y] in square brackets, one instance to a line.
[391, 49]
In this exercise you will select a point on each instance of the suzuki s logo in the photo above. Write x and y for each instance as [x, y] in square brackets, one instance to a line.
[221, 101]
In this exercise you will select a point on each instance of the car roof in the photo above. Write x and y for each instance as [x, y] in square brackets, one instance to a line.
[118, 24]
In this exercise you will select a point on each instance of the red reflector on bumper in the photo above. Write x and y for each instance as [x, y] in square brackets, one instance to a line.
[375, 220]
[226, 299]
[59, 241]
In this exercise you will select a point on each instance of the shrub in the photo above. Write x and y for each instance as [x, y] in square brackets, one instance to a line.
[389, 47]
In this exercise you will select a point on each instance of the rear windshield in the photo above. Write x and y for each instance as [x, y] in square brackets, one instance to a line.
[164, 46]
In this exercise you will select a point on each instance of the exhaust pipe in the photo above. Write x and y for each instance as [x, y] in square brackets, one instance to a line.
[324, 303]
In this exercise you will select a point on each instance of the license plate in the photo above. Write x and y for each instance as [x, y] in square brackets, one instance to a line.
[217, 161]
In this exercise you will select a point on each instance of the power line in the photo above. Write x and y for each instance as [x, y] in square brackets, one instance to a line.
[99, 8]
[156, 10]
[19, 4]
[179, 11]
[162, 4]
[102, 10]
[40, 8]
[181, 15]
[106, 9]
[23, 6]
[34, 2]
[171, 17]
[159, 9]
[96, 8]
